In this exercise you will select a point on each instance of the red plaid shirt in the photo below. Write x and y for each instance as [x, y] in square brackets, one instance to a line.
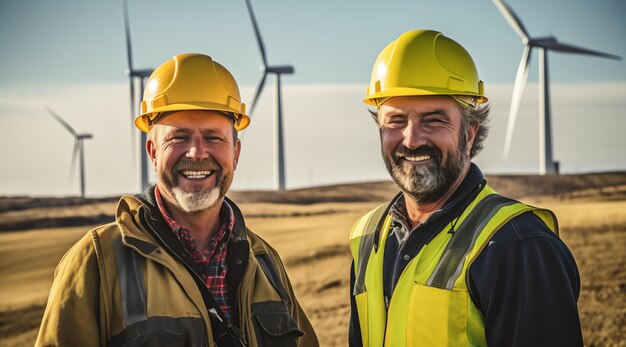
[212, 262]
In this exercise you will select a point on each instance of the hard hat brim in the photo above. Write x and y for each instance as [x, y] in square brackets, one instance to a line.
[143, 121]
[379, 98]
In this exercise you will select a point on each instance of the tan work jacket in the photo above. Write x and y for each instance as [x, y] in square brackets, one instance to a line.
[120, 285]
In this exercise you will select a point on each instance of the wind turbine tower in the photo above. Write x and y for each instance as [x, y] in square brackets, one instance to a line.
[277, 70]
[141, 76]
[543, 44]
[79, 149]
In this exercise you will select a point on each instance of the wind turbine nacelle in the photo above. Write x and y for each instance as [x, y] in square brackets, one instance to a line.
[84, 136]
[288, 69]
[542, 41]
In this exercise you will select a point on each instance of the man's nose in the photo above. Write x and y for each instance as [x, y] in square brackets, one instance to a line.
[198, 150]
[413, 136]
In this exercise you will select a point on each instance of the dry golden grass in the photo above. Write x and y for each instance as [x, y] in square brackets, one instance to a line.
[310, 229]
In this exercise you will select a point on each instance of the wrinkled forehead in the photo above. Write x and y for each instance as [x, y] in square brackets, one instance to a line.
[406, 105]
[199, 117]
[204, 121]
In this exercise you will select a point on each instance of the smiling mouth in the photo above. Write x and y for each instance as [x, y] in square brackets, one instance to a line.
[196, 175]
[417, 158]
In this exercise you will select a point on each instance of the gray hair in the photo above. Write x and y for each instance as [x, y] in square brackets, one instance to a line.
[477, 116]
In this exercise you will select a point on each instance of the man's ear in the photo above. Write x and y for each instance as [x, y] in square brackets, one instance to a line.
[237, 152]
[151, 150]
[471, 130]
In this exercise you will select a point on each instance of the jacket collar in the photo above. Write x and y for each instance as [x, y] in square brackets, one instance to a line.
[142, 223]
[472, 183]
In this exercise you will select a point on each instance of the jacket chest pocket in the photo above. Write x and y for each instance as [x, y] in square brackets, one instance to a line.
[273, 325]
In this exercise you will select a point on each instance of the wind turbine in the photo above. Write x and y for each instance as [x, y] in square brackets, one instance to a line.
[140, 75]
[543, 44]
[276, 70]
[78, 148]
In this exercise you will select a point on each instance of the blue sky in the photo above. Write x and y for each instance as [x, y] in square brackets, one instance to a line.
[56, 41]
[71, 56]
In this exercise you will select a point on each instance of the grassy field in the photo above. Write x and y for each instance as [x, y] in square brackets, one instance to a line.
[310, 227]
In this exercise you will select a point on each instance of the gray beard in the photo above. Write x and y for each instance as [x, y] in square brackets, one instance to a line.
[198, 200]
[195, 202]
[418, 182]
[427, 184]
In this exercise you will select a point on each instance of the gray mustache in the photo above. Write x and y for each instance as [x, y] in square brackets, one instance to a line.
[186, 164]
[421, 150]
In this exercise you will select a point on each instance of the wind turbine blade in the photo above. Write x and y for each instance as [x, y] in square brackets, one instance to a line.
[132, 101]
[74, 156]
[257, 33]
[257, 94]
[518, 91]
[563, 47]
[63, 123]
[132, 116]
[129, 50]
[512, 18]
[132, 106]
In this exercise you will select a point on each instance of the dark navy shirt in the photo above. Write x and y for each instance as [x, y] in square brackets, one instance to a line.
[525, 282]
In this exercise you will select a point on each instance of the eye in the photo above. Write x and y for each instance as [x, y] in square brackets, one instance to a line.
[434, 121]
[212, 138]
[396, 121]
[178, 138]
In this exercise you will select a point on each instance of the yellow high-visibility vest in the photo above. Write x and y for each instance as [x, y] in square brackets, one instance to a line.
[430, 305]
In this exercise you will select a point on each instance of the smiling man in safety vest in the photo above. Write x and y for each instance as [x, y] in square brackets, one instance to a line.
[449, 262]
[178, 267]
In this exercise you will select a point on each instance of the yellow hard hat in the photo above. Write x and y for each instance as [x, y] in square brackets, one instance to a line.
[191, 81]
[424, 62]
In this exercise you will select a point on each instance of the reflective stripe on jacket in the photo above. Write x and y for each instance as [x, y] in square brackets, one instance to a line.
[119, 285]
[430, 305]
